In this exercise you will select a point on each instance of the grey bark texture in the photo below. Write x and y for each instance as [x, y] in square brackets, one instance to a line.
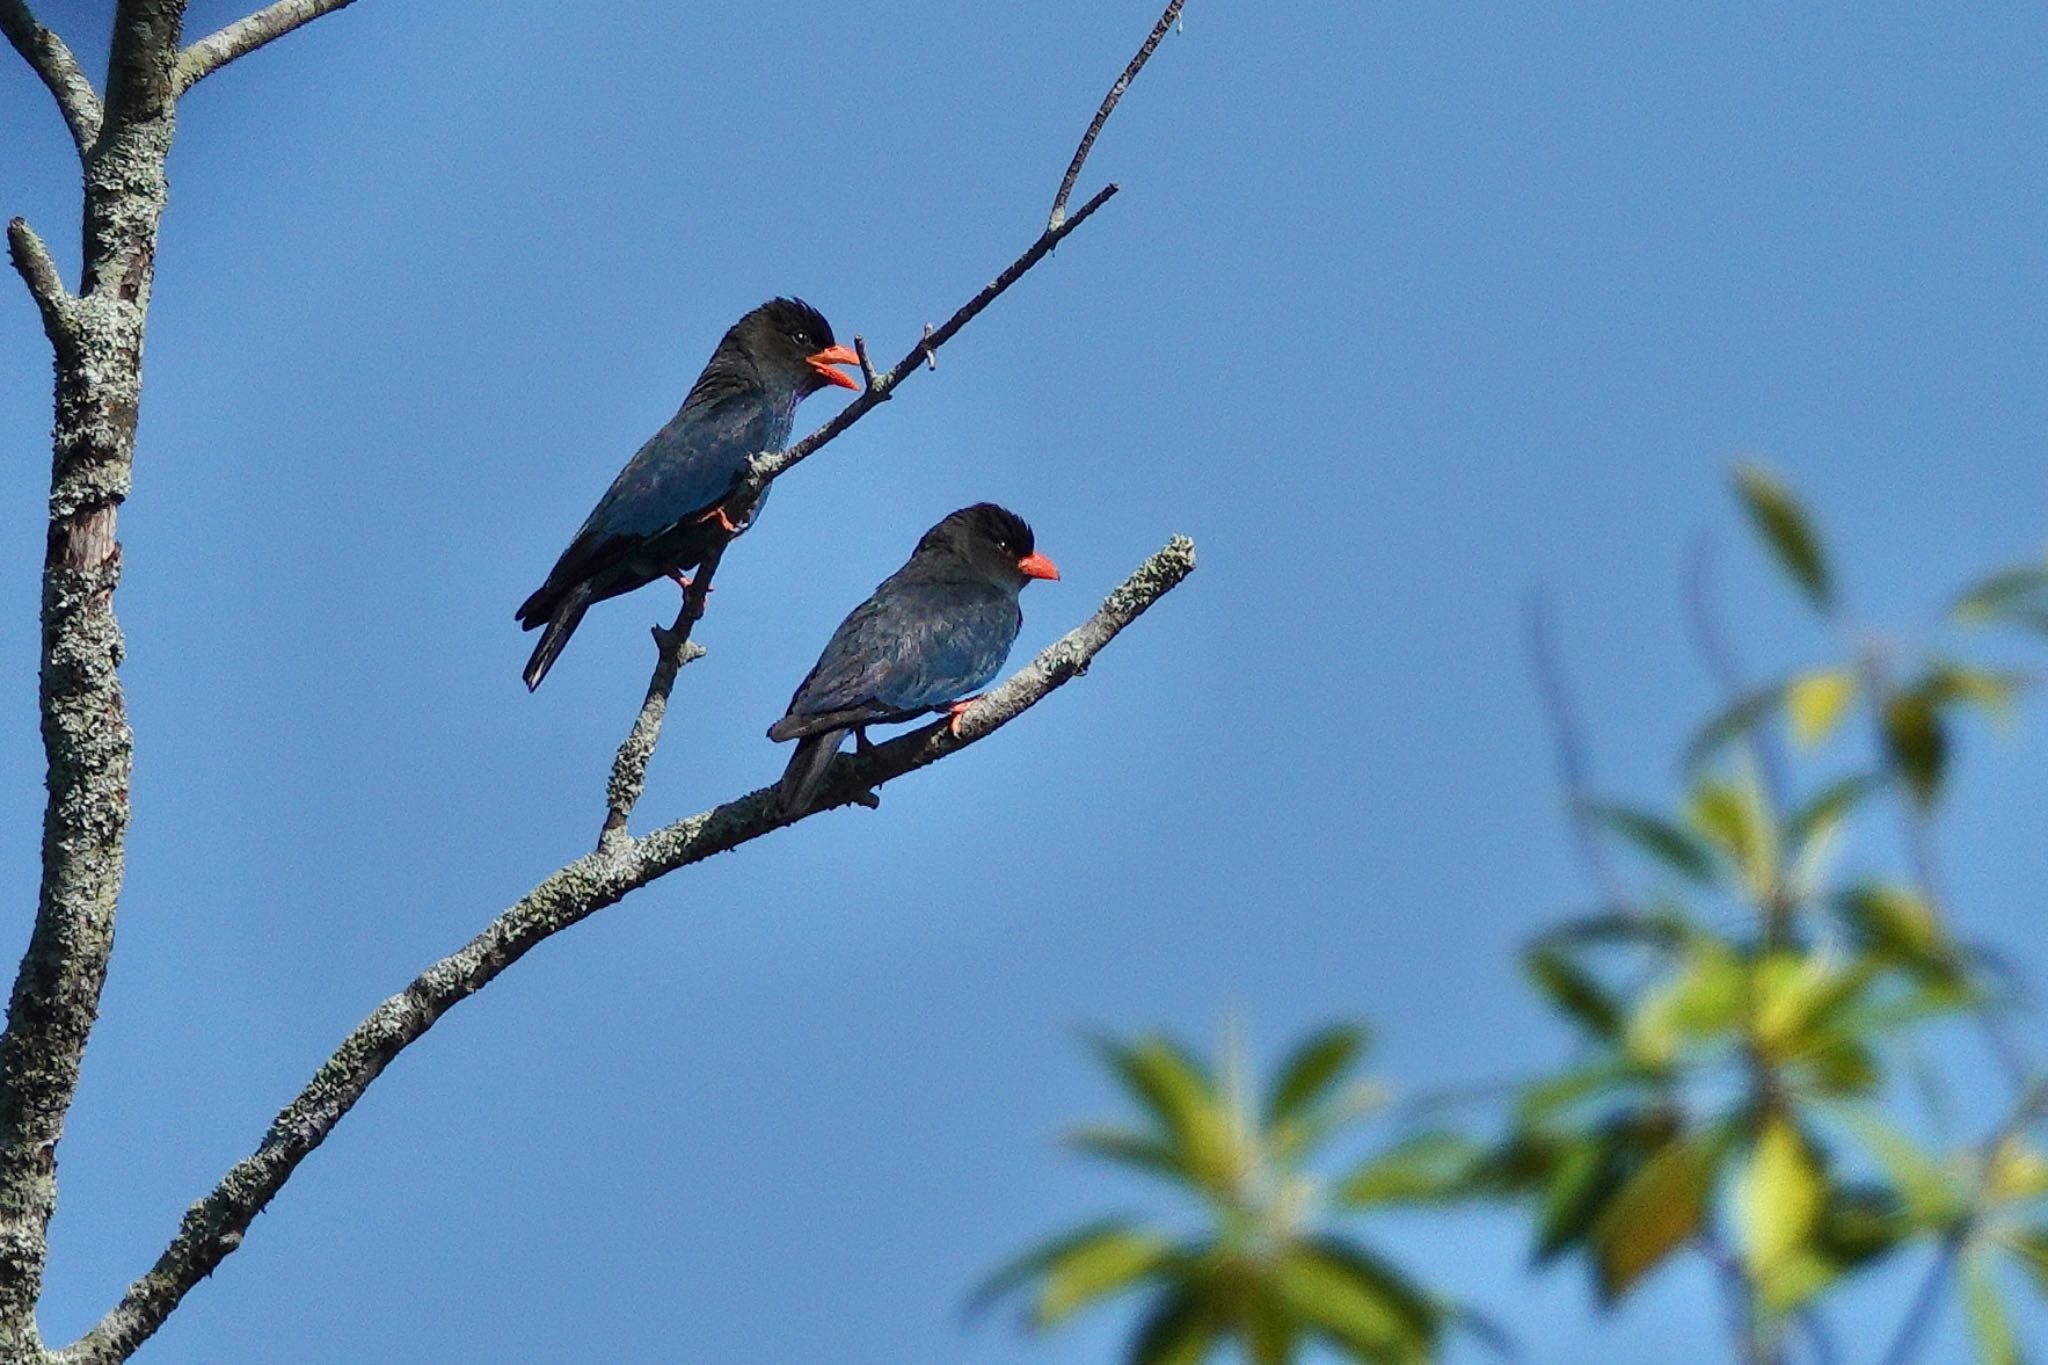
[96, 337]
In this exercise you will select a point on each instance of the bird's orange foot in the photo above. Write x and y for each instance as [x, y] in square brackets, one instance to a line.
[718, 515]
[957, 710]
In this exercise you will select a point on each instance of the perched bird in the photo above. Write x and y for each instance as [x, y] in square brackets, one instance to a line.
[936, 630]
[665, 512]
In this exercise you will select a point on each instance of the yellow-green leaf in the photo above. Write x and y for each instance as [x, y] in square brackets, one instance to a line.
[1784, 528]
[1703, 999]
[2018, 1173]
[1735, 817]
[1816, 701]
[1111, 1261]
[1653, 1214]
[1989, 1322]
[1427, 1168]
[1779, 1199]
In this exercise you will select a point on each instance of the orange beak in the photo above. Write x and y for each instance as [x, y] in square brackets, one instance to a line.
[1038, 566]
[824, 360]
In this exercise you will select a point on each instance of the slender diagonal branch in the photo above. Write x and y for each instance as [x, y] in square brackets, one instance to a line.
[32, 260]
[1116, 92]
[214, 1226]
[768, 467]
[47, 54]
[239, 39]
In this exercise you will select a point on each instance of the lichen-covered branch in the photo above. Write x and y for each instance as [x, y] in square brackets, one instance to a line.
[213, 1227]
[244, 36]
[32, 261]
[674, 648]
[52, 61]
[87, 746]
[1116, 92]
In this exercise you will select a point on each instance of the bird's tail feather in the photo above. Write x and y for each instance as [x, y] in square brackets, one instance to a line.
[561, 625]
[806, 771]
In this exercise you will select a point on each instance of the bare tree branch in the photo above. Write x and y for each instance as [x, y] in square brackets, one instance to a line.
[244, 36]
[59, 70]
[768, 467]
[32, 260]
[674, 648]
[1116, 92]
[214, 1226]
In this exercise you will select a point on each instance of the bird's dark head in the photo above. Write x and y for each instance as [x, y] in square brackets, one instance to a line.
[994, 542]
[790, 345]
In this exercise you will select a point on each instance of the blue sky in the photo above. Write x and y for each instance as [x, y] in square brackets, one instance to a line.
[1402, 312]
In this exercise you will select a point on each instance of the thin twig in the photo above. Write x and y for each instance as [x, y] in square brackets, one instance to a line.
[51, 60]
[673, 648]
[768, 467]
[867, 366]
[244, 36]
[1569, 743]
[214, 1226]
[1116, 92]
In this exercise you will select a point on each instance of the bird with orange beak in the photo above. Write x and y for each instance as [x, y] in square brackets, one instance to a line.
[668, 508]
[936, 630]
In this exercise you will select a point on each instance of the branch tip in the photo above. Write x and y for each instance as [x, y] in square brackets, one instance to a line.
[52, 61]
[267, 25]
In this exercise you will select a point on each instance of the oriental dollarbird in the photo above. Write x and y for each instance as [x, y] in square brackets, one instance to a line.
[666, 511]
[935, 631]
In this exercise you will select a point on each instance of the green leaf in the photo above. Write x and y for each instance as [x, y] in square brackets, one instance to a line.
[1139, 1151]
[1177, 1091]
[1428, 1168]
[1095, 1268]
[1994, 598]
[1587, 1173]
[1780, 1196]
[1785, 530]
[1917, 744]
[1734, 816]
[1659, 838]
[1575, 991]
[1932, 1197]
[1022, 1270]
[1992, 691]
[1662, 929]
[1180, 1330]
[1860, 1223]
[1816, 701]
[1309, 1072]
[1361, 1303]
[2029, 1246]
[1653, 1214]
[1896, 925]
[1741, 716]
[1703, 1000]
[1829, 807]
[2018, 1173]
[1989, 1323]
[1559, 1091]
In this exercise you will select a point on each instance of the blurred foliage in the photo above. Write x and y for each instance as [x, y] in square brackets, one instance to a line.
[1261, 1267]
[1745, 1011]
